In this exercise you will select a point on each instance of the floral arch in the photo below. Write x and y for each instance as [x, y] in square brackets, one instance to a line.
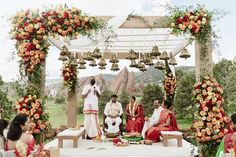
[32, 29]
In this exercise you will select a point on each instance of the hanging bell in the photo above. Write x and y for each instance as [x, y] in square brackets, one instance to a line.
[101, 67]
[102, 62]
[164, 56]
[81, 61]
[159, 65]
[113, 59]
[142, 57]
[155, 51]
[88, 56]
[172, 61]
[65, 51]
[143, 68]
[96, 53]
[133, 64]
[62, 58]
[185, 54]
[115, 67]
[73, 62]
[93, 63]
[140, 65]
[82, 66]
[148, 61]
[132, 55]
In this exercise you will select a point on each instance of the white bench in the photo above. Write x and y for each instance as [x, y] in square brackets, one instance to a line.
[71, 134]
[10, 153]
[172, 135]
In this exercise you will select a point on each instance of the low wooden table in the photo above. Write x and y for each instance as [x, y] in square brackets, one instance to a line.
[71, 134]
[172, 135]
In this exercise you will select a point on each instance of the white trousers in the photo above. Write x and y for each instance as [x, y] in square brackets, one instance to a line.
[91, 124]
[113, 128]
[146, 126]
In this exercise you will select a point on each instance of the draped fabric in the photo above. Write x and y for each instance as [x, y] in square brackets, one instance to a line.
[153, 133]
[135, 124]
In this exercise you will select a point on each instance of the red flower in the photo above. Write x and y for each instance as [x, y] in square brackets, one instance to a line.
[66, 15]
[185, 19]
[179, 20]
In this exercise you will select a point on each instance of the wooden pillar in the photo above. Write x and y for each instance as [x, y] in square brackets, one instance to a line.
[203, 61]
[71, 109]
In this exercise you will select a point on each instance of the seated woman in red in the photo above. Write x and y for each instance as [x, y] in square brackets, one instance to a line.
[17, 134]
[134, 116]
[167, 122]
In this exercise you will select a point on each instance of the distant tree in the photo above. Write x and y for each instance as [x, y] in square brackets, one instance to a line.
[124, 98]
[6, 107]
[105, 97]
[230, 91]
[221, 71]
[151, 92]
[183, 103]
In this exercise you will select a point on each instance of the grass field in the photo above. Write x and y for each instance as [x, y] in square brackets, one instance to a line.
[58, 116]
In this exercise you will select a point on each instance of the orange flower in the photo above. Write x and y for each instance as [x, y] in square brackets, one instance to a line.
[202, 113]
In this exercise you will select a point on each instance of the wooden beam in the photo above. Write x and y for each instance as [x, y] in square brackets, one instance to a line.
[141, 22]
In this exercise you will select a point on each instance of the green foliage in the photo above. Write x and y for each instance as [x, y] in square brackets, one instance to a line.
[5, 104]
[225, 74]
[60, 100]
[184, 105]
[209, 149]
[151, 92]
[105, 98]
[124, 98]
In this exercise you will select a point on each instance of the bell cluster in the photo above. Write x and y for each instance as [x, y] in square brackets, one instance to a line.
[66, 55]
[147, 59]
[143, 59]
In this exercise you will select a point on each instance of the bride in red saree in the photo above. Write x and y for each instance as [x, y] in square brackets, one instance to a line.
[167, 122]
[134, 116]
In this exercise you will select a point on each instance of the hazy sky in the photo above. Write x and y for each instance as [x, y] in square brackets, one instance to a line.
[9, 67]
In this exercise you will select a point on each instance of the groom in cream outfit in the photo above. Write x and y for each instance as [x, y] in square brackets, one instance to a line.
[90, 94]
[154, 119]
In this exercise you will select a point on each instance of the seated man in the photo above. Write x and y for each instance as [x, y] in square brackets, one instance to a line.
[229, 141]
[167, 122]
[134, 116]
[154, 119]
[113, 111]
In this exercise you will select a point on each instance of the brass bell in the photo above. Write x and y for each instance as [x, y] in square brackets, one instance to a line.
[96, 53]
[155, 51]
[159, 65]
[113, 59]
[81, 61]
[115, 67]
[88, 56]
[143, 68]
[101, 67]
[142, 57]
[102, 62]
[65, 51]
[172, 61]
[132, 55]
[62, 58]
[164, 56]
[148, 61]
[93, 63]
[184, 54]
[82, 66]
[133, 64]
[140, 65]
[73, 62]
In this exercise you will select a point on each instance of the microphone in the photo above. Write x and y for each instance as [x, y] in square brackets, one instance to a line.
[94, 90]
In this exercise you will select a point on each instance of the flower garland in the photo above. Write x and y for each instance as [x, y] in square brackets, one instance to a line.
[211, 120]
[31, 106]
[169, 84]
[31, 29]
[69, 73]
[192, 21]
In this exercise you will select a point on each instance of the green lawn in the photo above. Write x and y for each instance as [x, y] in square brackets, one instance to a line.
[58, 116]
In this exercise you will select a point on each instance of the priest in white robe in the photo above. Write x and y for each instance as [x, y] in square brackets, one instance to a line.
[90, 94]
[154, 119]
[113, 111]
